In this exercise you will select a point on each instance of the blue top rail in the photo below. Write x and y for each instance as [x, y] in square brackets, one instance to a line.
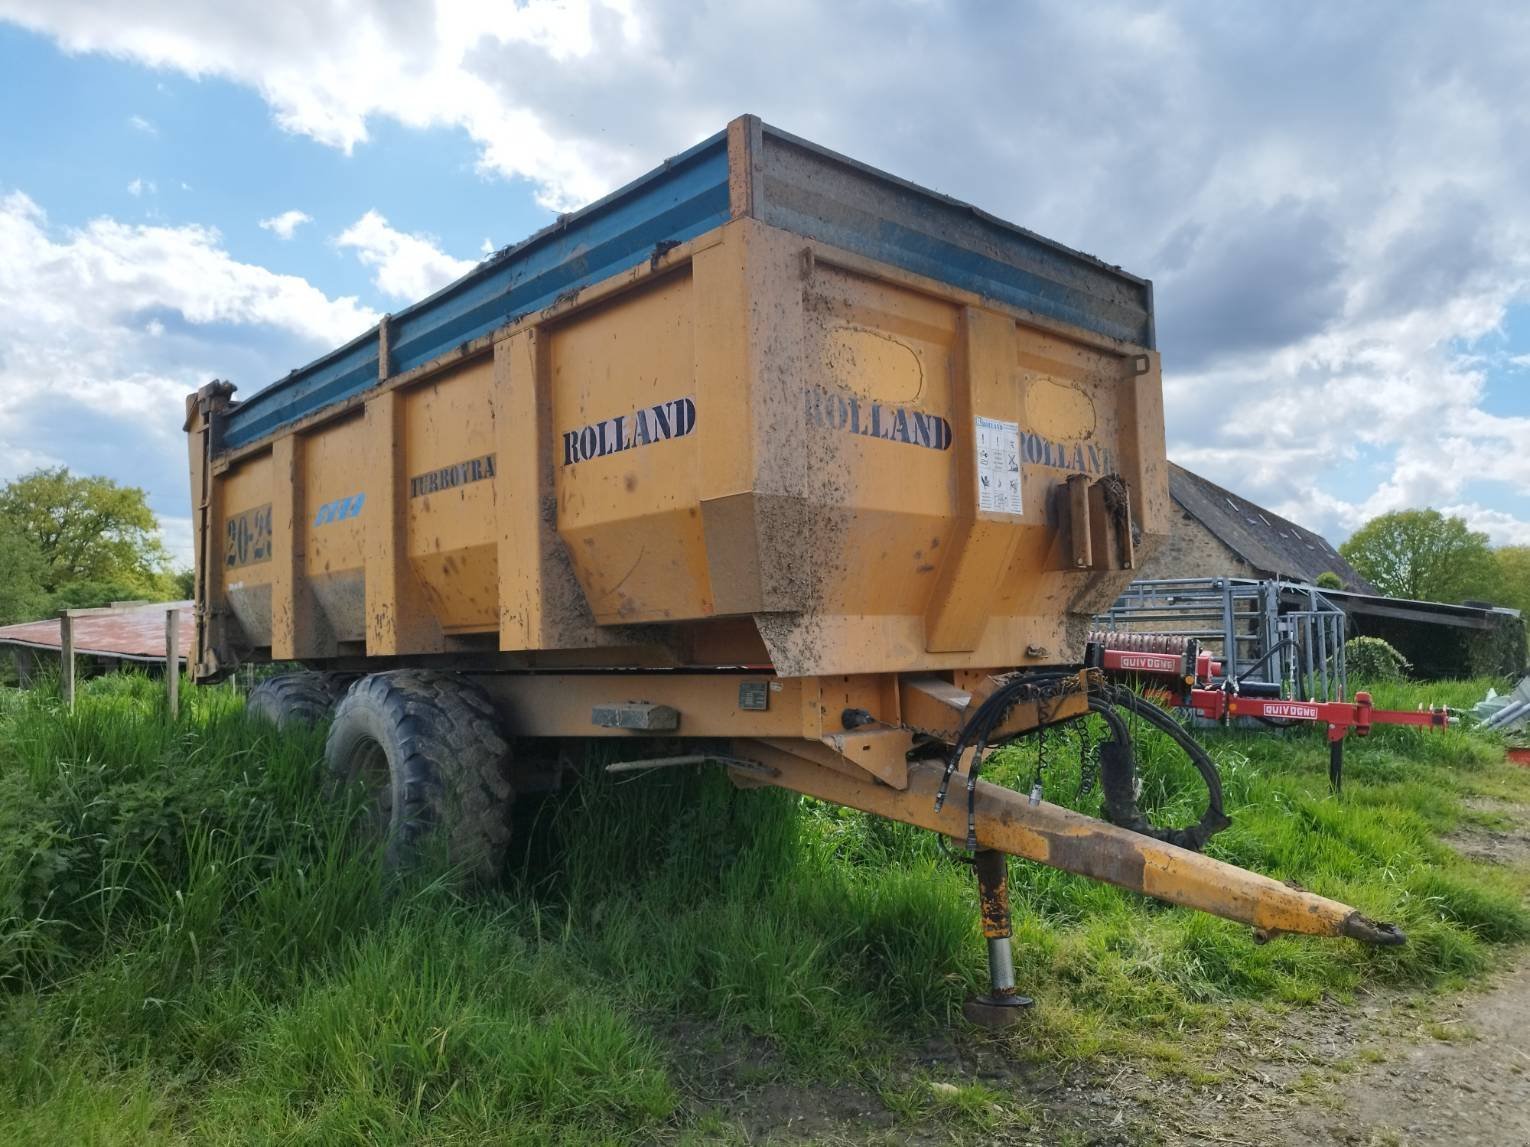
[793, 184]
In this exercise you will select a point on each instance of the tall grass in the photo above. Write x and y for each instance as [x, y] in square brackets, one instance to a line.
[195, 944]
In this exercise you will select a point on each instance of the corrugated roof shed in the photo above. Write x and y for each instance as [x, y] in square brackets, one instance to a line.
[135, 633]
[1276, 547]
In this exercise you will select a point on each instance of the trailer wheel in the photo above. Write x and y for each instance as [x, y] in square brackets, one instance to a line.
[427, 750]
[295, 698]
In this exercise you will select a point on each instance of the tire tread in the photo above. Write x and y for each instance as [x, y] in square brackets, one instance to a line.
[448, 762]
[302, 698]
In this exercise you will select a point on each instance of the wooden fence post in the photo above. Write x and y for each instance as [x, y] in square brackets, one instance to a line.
[173, 661]
[66, 654]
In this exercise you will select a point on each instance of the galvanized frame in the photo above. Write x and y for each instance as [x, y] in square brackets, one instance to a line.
[1242, 620]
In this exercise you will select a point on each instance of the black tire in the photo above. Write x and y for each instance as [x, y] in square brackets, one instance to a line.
[428, 750]
[295, 698]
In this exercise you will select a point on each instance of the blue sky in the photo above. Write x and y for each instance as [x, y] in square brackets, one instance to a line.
[102, 137]
[1340, 245]
[207, 151]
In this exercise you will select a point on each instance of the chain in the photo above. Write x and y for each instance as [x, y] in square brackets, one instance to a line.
[1041, 764]
[1088, 760]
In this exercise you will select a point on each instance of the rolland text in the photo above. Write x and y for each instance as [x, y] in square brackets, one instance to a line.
[854, 415]
[673, 419]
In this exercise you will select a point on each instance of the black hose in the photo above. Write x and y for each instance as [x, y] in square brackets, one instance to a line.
[1164, 721]
[978, 728]
[992, 714]
[980, 724]
[1283, 643]
[1117, 763]
[1042, 721]
[1121, 798]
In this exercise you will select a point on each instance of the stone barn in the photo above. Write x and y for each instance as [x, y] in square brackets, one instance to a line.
[1216, 533]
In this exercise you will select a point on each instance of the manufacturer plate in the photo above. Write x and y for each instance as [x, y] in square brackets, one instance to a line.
[753, 696]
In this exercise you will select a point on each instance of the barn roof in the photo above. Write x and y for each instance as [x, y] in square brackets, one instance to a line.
[132, 633]
[1276, 547]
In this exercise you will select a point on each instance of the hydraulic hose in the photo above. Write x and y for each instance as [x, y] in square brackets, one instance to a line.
[1118, 770]
[978, 728]
[1117, 762]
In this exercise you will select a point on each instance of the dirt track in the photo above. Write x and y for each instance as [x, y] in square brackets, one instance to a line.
[1388, 1069]
[1378, 1072]
[1468, 1089]
[1465, 1078]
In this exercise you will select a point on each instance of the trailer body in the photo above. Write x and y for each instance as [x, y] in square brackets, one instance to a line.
[767, 451]
[764, 406]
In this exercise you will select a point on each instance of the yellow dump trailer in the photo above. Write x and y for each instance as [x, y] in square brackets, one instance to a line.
[770, 456]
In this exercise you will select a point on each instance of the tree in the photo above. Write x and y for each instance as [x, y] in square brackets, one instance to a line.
[87, 530]
[1422, 554]
[1513, 564]
[96, 594]
[1329, 580]
[22, 597]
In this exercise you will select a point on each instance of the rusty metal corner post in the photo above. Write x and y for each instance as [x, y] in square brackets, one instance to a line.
[206, 410]
[173, 661]
[1002, 1005]
[66, 656]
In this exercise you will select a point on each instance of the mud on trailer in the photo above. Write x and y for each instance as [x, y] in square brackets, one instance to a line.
[811, 471]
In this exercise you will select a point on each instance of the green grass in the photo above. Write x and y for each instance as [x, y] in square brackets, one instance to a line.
[195, 946]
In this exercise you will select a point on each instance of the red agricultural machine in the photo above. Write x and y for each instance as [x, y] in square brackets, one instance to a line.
[1189, 678]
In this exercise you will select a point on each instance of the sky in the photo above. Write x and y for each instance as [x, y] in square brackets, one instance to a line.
[1333, 201]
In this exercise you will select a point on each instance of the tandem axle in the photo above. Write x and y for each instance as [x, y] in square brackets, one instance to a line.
[437, 748]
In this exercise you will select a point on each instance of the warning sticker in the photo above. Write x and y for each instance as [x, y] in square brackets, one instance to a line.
[998, 466]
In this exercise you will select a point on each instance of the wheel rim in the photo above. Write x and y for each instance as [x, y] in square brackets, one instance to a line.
[369, 772]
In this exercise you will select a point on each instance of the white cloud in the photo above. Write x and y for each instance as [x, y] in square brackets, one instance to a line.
[404, 266]
[1502, 529]
[108, 271]
[105, 328]
[141, 187]
[138, 123]
[1397, 394]
[18, 460]
[175, 532]
[285, 224]
[327, 70]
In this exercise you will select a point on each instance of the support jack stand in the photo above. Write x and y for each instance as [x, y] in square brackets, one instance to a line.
[1003, 1004]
